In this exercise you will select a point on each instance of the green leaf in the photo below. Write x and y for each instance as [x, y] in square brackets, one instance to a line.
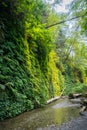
[2, 87]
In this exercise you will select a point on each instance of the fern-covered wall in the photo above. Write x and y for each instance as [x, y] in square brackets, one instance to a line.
[35, 62]
[28, 69]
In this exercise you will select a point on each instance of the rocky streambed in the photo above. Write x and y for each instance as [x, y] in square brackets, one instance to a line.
[59, 115]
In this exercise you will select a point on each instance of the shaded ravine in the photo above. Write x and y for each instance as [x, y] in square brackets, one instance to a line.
[56, 113]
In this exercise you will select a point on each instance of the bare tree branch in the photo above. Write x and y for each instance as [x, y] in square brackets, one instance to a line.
[64, 21]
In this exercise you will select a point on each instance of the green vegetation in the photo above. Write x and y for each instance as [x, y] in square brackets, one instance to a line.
[36, 63]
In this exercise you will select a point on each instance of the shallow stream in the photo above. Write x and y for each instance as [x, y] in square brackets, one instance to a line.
[56, 113]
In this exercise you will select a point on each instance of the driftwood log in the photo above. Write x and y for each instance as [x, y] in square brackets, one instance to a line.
[82, 110]
[84, 102]
[75, 100]
[53, 99]
[79, 98]
[83, 106]
[56, 98]
[72, 96]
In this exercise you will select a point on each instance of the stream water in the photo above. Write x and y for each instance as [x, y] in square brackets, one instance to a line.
[56, 113]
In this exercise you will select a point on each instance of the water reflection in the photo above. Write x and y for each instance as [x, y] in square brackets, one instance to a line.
[40, 118]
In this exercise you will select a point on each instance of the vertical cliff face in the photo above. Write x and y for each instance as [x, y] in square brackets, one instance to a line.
[25, 58]
[35, 65]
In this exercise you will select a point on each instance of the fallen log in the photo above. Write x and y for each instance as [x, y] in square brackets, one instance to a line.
[84, 106]
[82, 110]
[53, 99]
[84, 102]
[56, 98]
[77, 100]
[72, 96]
